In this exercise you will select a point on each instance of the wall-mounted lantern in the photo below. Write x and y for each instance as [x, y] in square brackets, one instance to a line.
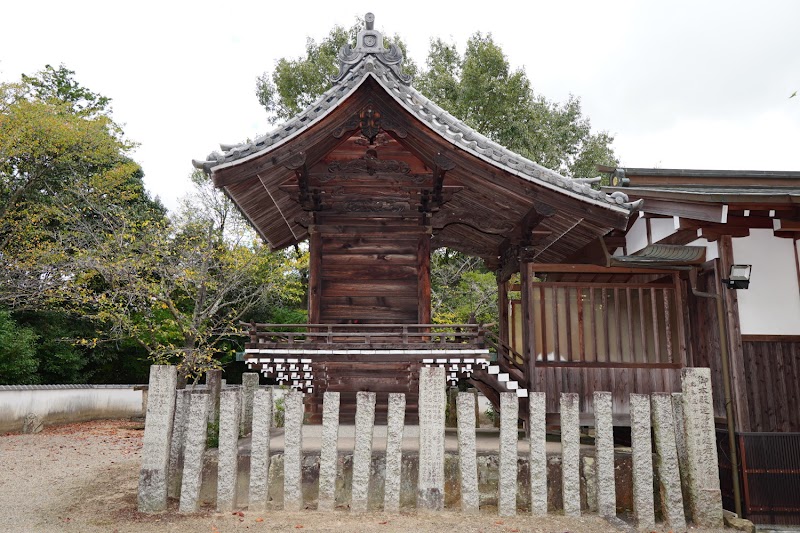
[739, 277]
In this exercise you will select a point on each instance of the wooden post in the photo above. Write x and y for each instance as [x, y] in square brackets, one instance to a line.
[528, 338]
[502, 310]
[314, 275]
[424, 279]
[736, 353]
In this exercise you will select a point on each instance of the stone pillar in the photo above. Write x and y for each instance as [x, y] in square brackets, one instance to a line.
[680, 445]
[537, 457]
[196, 432]
[259, 449]
[293, 452]
[432, 402]
[701, 447]
[329, 451]
[604, 455]
[669, 478]
[570, 454]
[394, 452]
[249, 387]
[228, 451]
[214, 385]
[178, 441]
[157, 437]
[642, 455]
[507, 484]
[467, 455]
[362, 452]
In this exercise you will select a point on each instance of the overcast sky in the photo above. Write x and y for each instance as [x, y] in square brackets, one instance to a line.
[680, 84]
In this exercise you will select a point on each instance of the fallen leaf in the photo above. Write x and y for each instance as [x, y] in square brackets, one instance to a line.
[299, 526]
[384, 522]
[259, 519]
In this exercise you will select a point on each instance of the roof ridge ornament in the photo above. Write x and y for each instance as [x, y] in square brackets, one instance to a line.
[370, 43]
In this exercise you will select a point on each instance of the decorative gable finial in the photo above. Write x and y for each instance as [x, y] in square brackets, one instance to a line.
[370, 43]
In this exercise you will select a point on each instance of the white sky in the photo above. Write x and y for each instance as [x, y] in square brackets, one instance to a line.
[681, 84]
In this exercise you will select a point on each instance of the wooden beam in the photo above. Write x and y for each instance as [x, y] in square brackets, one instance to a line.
[314, 276]
[696, 211]
[595, 269]
[528, 337]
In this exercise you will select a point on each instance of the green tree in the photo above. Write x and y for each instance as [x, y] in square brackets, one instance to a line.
[18, 362]
[294, 84]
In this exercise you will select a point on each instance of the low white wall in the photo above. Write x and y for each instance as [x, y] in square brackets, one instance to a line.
[56, 404]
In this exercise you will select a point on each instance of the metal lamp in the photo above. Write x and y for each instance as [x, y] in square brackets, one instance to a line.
[739, 277]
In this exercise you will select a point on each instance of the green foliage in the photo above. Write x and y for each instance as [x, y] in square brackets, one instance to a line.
[462, 290]
[295, 84]
[18, 362]
[212, 434]
[280, 412]
[481, 89]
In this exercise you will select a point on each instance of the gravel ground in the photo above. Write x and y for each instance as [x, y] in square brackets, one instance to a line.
[83, 477]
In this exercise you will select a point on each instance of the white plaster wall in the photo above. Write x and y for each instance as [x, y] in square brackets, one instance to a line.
[636, 238]
[712, 250]
[60, 406]
[771, 306]
[661, 228]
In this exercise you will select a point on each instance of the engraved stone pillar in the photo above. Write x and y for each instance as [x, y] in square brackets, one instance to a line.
[432, 401]
[196, 430]
[178, 441]
[467, 457]
[642, 453]
[701, 447]
[537, 457]
[507, 484]
[157, 437]
[293, 451]
[669, 478]
[329, 451]
[249, 387]
[604, 455]
[228, 448]
[394, 452]
[214, 385]
[362, 452]
[680, 445]
[259, 449]
[570, 454]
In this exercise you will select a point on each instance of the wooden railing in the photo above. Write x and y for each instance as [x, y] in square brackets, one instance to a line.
[382, 336]
[606, 324]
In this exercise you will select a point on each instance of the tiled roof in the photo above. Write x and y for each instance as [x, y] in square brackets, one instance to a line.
[356, 65]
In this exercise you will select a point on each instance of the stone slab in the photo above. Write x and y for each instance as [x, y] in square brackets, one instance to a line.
[606, 492]
[328, 451]
[509, 434]
[249, 387]
[432, 402]
[228, 448]
[178, 441]
[394, 453]
[669, 479]
[467, 455]
[701, 447]
[196, 433]
[292, 454]
[570, 454]
[537, 455]
[643, 506]
[362, 452]
[680, 445]
[153, 475]
[214, 386]
[260, 444]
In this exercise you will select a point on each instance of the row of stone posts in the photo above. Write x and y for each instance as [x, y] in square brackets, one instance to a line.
[682, 424]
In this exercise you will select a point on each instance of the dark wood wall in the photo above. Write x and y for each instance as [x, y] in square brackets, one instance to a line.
[772, 376]
[370, 271]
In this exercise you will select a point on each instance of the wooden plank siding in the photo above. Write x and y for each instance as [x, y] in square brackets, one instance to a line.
[772, 380]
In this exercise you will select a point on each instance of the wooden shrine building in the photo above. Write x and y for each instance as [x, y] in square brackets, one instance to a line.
[375, 176]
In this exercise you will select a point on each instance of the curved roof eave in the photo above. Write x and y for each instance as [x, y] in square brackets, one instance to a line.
[437, 119]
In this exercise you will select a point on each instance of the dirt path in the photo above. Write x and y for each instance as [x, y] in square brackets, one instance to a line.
[83, 477]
